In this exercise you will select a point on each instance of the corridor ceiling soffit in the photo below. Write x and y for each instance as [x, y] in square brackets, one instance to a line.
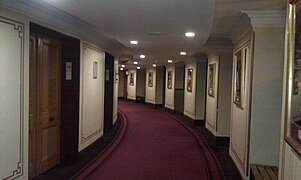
[54, 18]
[231, 23]
[158, 25]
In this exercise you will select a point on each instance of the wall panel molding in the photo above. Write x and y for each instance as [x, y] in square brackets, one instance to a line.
[11, 97]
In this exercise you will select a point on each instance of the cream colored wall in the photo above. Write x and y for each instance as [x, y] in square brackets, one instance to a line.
[14, 78]
[239, 125]
[211, 106]
[92, 96]
[115, 100]
[170, 93]
[189, 97]
[150, 92]
[141, 73]
[291, 164]
[160, 83]
[131, 90]
[266, 95]
[122, 78]
[224, 92]
[200, 104]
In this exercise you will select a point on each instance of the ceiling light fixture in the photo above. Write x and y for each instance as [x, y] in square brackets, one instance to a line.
[135, 62]
[138, 67]
[169, 61]
[182, 53]
[134, 42]
[142, 56]
[154, 65]
[121, 69]
[190, 34]
[123, 65]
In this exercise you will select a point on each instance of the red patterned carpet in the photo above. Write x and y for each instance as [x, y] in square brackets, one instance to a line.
[153, 144]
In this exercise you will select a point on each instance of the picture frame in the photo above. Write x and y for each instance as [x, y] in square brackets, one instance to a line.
[211, 79]
[239, 77]
[169, 79]
[189, 80]
[95, 69]
[150, 79]
[131, 79]
[292, 130]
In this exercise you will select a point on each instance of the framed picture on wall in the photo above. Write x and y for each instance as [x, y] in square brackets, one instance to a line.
[131, 79]
[239, 77]
[189, 79]
[169, 80]
[95, 69]
[211, 79]
[293, 81]
[150, 79]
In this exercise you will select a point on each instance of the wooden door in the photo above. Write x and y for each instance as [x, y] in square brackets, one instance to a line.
[44, 104]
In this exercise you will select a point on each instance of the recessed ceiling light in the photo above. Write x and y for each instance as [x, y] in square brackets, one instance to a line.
[134, 42]
[121, 69]
[169, 61]
[154, 65]
[123, 65]
[183, 53]
[190, 34]
[142, 56]
[135, 62]
[138, 67]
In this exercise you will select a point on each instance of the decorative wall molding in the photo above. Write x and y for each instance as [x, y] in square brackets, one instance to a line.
[267, 18]
[84, 138]
[19, 28]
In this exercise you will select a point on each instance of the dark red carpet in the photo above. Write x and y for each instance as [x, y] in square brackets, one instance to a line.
[154, 145]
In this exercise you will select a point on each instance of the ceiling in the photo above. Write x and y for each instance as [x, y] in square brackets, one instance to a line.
[158, 25]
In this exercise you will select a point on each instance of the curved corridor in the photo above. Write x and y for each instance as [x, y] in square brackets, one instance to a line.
[156, 145]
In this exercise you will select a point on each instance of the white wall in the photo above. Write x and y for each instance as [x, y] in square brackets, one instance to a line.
[189, 97]
[170, 93]
[14, 78]
[92, 96]
[150, 92]
[131, 90]
[115, 100]
[211, 106]
[239, 125]
[218, 109]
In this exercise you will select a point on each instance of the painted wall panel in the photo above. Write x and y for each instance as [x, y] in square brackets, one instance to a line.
[150, 92]
[92, 95]
[115, 100]
[131, 89]
[211, 107]
[170, 90]
[239, 125]
[14, 72]
[189, 97]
